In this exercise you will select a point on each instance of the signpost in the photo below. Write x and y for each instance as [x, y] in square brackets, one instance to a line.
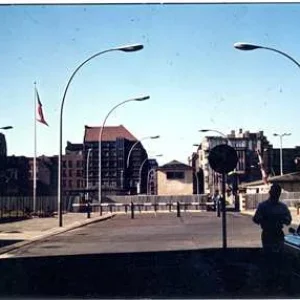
[223, 159]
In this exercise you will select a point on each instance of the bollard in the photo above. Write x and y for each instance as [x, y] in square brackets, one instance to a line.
[132, 210]
[88, 210]
[100, 207]
[178, 209]
[126, 208]
[170, 207]
[218, 208]
[155, 207]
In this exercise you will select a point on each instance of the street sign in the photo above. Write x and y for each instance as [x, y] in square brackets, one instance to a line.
[223, 159]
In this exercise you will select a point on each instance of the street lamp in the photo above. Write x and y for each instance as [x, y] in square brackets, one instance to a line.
[217, 131]
[142, 139]
[6, 127]
[247, 47]
[281, 159]
[100, 140]
[140, 171]
[128, 48]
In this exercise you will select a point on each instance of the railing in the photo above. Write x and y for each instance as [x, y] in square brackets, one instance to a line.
[22, 207]
[145, 207]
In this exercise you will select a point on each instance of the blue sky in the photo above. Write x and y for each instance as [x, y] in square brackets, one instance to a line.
[188, 66]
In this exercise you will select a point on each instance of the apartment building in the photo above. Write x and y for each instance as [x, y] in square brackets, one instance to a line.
[119, 174]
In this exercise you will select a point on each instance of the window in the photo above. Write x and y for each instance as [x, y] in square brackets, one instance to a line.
[78, 183]
[78, 173]
[64, 164]
[70, 183]
[64, 183]
[78, 163]
[70, 173]
[64, 173]
[175, 175]
[70, 164]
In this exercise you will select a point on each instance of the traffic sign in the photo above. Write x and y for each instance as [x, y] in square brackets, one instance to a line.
[223, 159]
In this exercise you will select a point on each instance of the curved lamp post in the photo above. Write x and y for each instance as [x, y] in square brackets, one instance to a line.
[247, 47]
[281, 159]
[100, 140]
[128, 48]
[142, 139]
[219, 132]
[140, 171]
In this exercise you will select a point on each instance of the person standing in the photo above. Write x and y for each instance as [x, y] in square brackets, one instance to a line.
[272, 215]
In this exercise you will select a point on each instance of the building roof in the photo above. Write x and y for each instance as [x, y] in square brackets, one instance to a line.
[110, 133]
[291, 177]
[175, 165]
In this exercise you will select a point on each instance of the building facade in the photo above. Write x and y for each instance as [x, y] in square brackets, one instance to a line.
[247, 146]
[118, 178]
[175, 178]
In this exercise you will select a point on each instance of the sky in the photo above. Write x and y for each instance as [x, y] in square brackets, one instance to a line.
[194, 76]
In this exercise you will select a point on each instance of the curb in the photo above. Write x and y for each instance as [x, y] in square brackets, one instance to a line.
[54, 232]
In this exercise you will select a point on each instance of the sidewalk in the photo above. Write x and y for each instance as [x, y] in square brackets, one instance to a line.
[27, 231]
[295, 217]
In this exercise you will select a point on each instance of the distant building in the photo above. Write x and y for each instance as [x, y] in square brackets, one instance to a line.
[290, 159]
[198, 186]
[14, 180]
[175, 178]
[72, 170]
[246, 145]
[116, 143]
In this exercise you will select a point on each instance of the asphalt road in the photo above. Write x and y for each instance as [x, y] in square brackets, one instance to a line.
[148, 232]
[162, 256]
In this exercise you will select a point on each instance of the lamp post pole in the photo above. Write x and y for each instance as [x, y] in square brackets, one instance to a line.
[100, 145]
[147, 137]
[131, 149]
[129, 48]
[281, 158]
[140, 172]
[87, 180]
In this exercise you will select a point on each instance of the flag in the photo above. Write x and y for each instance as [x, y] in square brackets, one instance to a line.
[40, 117]
[262, 169]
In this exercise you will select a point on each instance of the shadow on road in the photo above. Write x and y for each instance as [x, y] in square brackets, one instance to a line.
[238, 273]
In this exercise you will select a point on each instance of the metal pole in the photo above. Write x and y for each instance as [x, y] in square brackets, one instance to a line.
[224, 233]
[87, 184]
[281, 162]
[129, 48]
[140, 173]
[100, 141]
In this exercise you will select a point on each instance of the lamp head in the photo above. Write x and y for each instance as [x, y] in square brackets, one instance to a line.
[6, 127]
[245, 46]
[130, 48]
[142, 98]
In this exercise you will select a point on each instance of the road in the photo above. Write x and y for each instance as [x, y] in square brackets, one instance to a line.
[162, 256]
[148, 232]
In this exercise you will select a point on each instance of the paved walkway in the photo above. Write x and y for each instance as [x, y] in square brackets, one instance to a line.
[36, 227]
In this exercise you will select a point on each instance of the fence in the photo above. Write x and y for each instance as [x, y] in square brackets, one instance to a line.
[201, 198]
[20, 207]
[252, 200]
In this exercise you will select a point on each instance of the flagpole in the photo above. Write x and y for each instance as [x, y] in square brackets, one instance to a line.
[34, 157]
